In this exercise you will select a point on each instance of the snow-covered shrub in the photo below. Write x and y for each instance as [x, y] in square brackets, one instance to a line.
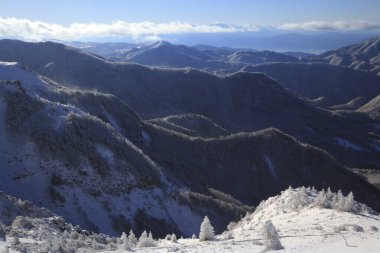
[54, 245]
[340, 229]
[207, 232]
[358, 228]
[227, 235]
[4, 250]
[299, 199]
[173, 238]
[193, 236]
[111, 246]
[74, 235]
[271, 237]
[22, 222]
[132, 238]
[168, 237]
[146, 240]
[15, 241]
[231, 225]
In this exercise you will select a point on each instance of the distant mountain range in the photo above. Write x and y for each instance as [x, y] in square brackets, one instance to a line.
[335, 84]
[238, 102]
[144, 147]
[361, 56]
[316, 42]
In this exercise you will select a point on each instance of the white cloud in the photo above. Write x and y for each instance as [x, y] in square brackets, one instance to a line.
[331, 26]
[37, 30]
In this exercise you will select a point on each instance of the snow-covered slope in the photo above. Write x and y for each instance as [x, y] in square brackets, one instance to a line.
[305, 219]
[303, 223]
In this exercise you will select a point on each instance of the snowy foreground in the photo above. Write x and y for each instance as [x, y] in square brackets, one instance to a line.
[306, 221]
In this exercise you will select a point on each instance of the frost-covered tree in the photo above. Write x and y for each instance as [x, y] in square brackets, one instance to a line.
[150, 236]
[142, 239]
[194, 236]
[207, 232]
[168, 237]
[341, 201]
[329, 197]
[336, 201]
[349, 203]
[173, 238]
[132, 238]
[125, 242]
[146, 240]
[270, 237]
[321, 198]
[123, 237]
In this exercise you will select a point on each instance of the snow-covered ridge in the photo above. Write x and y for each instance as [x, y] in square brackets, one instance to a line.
[302, 198]
[15, 71]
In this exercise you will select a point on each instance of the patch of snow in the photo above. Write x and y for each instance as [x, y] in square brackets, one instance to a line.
[106, 153]
[15, 71]
[271, 167]
[347, 144]
[2, 63]
[112, 120]
[146, 137]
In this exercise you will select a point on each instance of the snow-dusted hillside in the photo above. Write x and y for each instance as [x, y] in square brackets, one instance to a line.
[305, 219]
[73, 152]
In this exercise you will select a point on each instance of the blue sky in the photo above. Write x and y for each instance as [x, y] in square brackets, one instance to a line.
[49, 18]
[258, 12]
